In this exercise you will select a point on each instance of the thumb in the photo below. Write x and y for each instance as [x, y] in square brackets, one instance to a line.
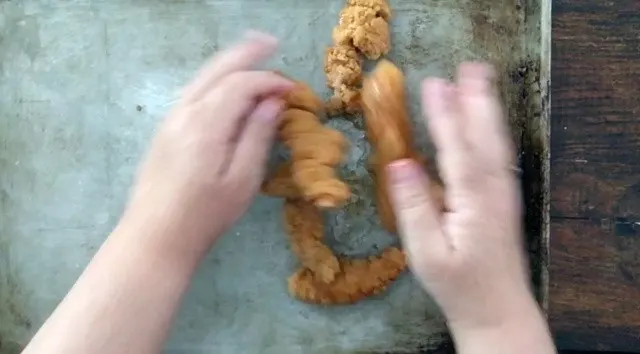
[418, 219]
[257, 137]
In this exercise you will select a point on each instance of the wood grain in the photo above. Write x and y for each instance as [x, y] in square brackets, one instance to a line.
[594, 295]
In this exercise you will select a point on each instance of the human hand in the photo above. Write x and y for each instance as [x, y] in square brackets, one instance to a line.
[470, 258]
[208, 157]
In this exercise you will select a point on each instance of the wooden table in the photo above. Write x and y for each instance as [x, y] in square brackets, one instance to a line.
[595, 175]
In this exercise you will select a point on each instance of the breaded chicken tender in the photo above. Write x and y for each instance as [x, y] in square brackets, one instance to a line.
[362, 27]
[315, 150]
[359, 279]
[389, 131]
[302, 97]
[315, 153]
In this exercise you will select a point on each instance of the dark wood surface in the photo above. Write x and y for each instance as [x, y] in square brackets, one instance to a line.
[594, 296]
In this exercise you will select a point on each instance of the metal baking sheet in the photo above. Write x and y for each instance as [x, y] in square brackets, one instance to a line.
[82, 85]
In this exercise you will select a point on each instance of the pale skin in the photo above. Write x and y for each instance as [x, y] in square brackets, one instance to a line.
[204, 168]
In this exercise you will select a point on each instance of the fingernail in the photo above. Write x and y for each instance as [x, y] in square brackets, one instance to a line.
[434, 85]
[403, 171]
[480, 75]
[484, 71]
[287, 84]
[261, 37]
[439, 92]
[269, 109]
[448, 93]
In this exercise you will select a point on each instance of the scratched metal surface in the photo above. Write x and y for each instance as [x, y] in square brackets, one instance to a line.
[83, 83]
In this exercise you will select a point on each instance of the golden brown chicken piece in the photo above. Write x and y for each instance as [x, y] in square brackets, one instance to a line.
[373, 39]
[381, 7]
[388, 130]
[303, 97]
[342, 66]
[315, 151]
[360, 278]
[282, 185]
[304, 225]
[350, 18]
[361, 27]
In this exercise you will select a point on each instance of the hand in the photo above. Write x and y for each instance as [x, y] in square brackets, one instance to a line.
[208, 158]
[470, 258]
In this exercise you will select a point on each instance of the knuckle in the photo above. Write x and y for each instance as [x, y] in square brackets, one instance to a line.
[412, 201]
[432, 267]
[248, 79]
[418, 258]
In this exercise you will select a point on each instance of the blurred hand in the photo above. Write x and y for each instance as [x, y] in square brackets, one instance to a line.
[208, 157]
[470, 258]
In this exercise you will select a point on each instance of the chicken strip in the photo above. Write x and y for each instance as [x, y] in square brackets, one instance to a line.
[316, 150]
[302, 97]
[389, 131]
[359, 279]
[321, 185]
[282, 185]
[304, 225]
[362, 26]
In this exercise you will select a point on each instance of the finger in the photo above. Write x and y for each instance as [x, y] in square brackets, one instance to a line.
[236, 96]
[418, 219]
[446, 129]
[255, 140]
[255, 48]
[485, 122]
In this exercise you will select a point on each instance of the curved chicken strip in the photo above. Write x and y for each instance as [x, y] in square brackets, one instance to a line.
[305, 228]
[319, 184]
[302, 97]
[316, 150]
[360, 278]
[388, 130]
[294, 122]
[282, 185]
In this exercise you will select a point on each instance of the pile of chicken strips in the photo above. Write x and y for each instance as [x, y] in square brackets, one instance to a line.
[308, 182]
